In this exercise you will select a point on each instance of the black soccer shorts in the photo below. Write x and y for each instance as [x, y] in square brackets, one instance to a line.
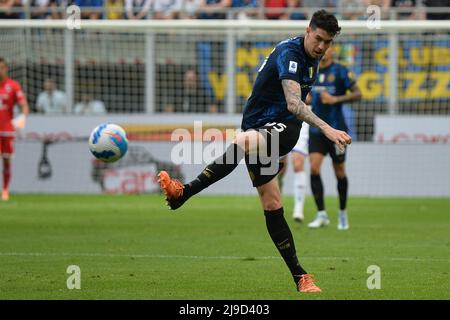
[321, 144]
[281, 138]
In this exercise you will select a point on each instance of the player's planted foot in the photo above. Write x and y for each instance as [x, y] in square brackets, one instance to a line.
[173, 190]
[298, 216]
[5, 195]
[343, 221]
[306, 284]
[321, 220]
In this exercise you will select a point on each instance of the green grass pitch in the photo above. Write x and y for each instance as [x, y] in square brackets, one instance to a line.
[133, 247]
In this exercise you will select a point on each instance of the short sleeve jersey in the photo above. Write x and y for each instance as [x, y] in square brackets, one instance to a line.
[10, 94]
[336, 79]
[267, 103]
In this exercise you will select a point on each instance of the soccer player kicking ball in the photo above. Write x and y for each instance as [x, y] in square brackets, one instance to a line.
[275, 110]
[10, 94]
[328, 95]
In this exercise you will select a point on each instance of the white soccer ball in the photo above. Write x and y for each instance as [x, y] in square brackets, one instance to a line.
[108, 142]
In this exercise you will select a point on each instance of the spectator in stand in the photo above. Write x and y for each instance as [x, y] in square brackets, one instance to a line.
[90, 9]
[290, 13]
[189, 9]
[51, 100]
[90, 106]
[250, 8]
[192, 97]
[274, 9]
[413, 12]
[58, 8]
[352, 9]
[167, 9]
[330, 4]
[209, 9]
[47, 9]
[10, 9]
[137, 9]
[445, 15]
[39, 9]
[114, 9]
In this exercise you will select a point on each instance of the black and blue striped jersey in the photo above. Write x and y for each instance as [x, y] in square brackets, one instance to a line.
[267, 103]
[336, 79]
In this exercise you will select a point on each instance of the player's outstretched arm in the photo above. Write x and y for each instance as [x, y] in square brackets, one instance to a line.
[293, 93]
[25, 108]
[354, 95]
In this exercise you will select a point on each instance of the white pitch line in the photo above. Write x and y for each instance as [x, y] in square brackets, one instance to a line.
[113, 255]
[156, 256]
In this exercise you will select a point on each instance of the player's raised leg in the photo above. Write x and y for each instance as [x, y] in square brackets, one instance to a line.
[281, 235]
[342, 186]
[177, 194]
[321, 218]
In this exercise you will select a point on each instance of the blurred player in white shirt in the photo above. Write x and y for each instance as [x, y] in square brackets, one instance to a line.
[137, 9]
[299, 154]
[87, 105]
[51, 100]
[167, 9]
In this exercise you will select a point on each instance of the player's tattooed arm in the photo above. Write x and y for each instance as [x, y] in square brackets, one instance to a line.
[293, 95]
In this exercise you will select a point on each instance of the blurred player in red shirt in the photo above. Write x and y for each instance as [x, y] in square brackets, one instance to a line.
[10, 94]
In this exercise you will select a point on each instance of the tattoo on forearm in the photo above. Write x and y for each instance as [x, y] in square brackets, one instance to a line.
[293, 95]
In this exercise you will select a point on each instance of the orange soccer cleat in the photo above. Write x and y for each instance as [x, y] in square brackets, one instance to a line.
[173, 190]
[306, 284]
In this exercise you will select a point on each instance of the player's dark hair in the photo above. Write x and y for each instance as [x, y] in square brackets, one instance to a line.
[2, 60]
[326, 21]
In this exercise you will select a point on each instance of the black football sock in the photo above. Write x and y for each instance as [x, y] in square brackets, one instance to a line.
[342, 186]
[218, 169]
[282, 238]
[317, 191]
